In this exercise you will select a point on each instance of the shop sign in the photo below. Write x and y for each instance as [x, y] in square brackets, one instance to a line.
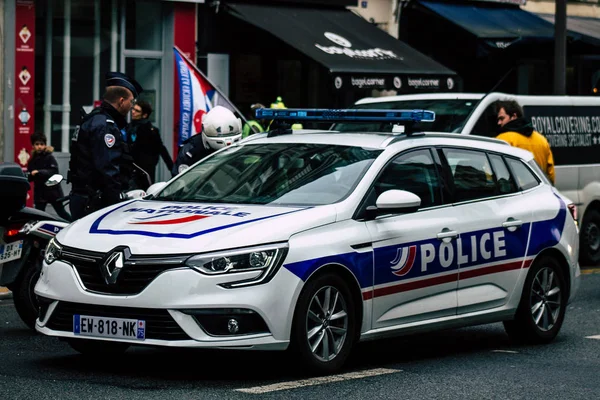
[404, 83]
[344, 46]
[24, 83]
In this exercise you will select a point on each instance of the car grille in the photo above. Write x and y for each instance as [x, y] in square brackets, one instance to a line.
[136, 274]
[159, 323]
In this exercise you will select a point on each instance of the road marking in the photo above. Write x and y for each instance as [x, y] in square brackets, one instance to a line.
[597, 337]
[586, 271]
[317, 381]
[505, 351]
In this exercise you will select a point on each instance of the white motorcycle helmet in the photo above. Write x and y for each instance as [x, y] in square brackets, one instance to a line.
[220, 128]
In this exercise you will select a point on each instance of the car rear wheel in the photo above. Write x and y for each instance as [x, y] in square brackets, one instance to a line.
[590, 239]
[543, 303]
[97, 348]
[324, 325]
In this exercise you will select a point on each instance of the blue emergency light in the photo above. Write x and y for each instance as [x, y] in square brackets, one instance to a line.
[344, 115]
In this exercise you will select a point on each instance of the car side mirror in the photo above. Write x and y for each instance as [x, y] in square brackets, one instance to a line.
[394, 202]
[54, 180]
[155, 188]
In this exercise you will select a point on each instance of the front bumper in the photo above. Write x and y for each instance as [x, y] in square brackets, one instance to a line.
[167, 305]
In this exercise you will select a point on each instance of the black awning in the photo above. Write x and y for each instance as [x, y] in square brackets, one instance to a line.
[347, 44]
[499, 25]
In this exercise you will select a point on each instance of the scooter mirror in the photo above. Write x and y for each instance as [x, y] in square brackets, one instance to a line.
[54, 180]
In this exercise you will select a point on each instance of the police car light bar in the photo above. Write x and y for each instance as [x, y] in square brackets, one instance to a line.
[345, 115]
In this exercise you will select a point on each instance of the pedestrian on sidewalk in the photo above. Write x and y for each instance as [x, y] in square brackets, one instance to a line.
[41, 167]
[145, 143]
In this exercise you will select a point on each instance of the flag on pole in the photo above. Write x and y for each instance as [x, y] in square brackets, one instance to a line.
[197, 96]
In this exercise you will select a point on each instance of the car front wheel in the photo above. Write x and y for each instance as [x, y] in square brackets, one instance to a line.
[543, 303]
[324, 325]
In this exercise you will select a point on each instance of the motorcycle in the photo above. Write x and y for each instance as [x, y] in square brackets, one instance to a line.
[24, 235]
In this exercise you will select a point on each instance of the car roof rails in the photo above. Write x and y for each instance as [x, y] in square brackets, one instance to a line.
[284, 118]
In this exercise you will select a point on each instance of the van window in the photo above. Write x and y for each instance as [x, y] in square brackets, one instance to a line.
[487, 124]
[450, 115]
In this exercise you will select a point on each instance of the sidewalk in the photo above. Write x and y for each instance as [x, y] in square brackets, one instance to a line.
[5, 293]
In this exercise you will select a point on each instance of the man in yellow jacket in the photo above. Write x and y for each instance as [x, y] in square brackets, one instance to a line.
[517, 131]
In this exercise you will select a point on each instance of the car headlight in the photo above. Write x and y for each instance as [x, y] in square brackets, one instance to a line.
[266, 258]
[52, 252]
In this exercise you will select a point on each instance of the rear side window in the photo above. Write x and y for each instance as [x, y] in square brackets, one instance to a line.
[523, 175]
[472, 174]
[506, 183]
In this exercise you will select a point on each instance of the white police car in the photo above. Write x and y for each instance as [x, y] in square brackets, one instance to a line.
[315, 241]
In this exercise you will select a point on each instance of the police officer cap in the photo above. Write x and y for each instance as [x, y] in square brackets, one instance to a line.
[120, 79]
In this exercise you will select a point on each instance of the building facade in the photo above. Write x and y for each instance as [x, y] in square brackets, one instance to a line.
[56, 53]
[507, 45]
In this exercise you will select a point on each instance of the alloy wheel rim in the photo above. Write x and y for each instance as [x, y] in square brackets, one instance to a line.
[545, 299]
[327, 323]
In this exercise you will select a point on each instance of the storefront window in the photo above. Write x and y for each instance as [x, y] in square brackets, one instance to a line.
[75, 47]
[144, 25]
[77, 42]
[147, 73]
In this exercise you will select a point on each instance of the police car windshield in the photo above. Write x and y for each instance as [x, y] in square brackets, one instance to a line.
[276, 173]
[450, 115]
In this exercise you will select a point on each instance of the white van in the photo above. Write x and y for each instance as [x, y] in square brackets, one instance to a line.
[570, 123]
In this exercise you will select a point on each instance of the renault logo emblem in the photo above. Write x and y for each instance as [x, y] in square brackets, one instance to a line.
[113, 264]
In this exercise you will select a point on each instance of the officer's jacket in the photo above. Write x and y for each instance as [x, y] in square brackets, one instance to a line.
[99, 156]
[251, 127]
[190, 151]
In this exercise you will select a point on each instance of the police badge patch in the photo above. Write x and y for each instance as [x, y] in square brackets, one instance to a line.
[109, 140]
[76, 134]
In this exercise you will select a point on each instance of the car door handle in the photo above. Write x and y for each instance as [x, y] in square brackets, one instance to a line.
[446, 235]
[512, 224]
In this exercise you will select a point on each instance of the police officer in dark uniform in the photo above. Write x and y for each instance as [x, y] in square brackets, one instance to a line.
[100, 165]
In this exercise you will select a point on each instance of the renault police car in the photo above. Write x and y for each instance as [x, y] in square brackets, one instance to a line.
[312, 241]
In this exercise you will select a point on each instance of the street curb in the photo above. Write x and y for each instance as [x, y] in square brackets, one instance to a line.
[5, 293]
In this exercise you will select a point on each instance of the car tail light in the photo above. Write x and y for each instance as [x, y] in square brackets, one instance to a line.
[573, 210]
[12, 231]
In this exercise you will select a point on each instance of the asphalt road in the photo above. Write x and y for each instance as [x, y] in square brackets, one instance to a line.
[469, 363]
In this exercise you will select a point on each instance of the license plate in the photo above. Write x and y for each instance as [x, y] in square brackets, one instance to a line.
[11, 251]
[85, 325]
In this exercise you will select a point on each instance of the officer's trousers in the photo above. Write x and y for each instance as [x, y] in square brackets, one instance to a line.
[78, 204]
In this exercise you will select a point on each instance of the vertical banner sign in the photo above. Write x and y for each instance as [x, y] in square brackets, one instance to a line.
[24, 82]
[185, 35]
[197, 96]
